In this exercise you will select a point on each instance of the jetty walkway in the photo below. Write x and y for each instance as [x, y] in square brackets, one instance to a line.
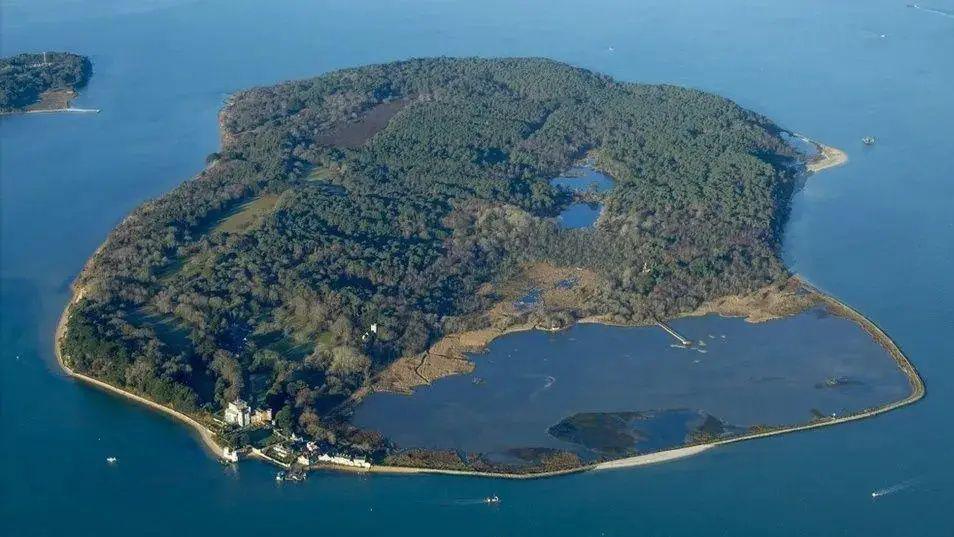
[682, 341]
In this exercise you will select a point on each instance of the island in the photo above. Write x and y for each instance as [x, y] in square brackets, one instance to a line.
[367, 230]
[44, 82]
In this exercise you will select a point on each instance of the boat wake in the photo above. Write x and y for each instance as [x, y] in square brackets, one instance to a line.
[942, 12]
[477, 501]
[893, 488]
[548, 381]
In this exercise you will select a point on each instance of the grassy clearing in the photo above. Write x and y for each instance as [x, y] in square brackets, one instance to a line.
[322, 173]
[246, 215]
[239, 219]
[287, 346]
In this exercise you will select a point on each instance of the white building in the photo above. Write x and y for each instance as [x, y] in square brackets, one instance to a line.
[238, 413]
[344, 461]
[230, 455]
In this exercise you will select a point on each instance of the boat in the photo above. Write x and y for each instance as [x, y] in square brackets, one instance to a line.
[868, 140]
[111, 460]
[492, 499]
[280, 476]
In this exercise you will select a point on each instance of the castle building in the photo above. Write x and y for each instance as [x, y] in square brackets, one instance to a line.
[238, 413]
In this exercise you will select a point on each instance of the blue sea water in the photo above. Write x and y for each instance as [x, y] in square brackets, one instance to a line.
[878, 233]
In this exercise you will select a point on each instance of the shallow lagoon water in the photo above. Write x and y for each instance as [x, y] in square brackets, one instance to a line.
[876, 233]
[744, 374]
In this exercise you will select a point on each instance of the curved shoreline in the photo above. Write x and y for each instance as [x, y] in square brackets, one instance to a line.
[918, 391]
[208, 438]
[830, 157]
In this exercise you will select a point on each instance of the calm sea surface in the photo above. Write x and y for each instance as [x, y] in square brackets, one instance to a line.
[781, 372]
[878, 233]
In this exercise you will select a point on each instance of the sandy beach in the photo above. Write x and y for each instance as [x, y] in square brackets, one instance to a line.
[208, 439]
[653, 458]
[828, 157]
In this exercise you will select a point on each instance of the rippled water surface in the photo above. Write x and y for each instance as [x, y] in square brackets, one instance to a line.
[781, 372]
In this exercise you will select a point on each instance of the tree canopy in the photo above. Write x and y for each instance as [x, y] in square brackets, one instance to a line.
[389, 195]
[25, 76]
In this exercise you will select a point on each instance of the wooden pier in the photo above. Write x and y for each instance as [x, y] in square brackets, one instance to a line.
[682, 341]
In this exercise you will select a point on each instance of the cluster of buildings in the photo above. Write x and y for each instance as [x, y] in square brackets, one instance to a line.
[239, 413]
[310, 455]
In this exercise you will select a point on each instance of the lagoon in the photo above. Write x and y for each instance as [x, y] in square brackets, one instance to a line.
[782, 372]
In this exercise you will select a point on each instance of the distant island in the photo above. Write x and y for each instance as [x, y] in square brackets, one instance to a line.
[41, 82]
[364, 229]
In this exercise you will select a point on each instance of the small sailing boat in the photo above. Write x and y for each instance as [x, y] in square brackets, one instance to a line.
[868, 140]
[111, 460]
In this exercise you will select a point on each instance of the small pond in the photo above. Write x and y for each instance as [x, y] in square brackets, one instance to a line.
[579, 215]
[600, 390]
[581, 179]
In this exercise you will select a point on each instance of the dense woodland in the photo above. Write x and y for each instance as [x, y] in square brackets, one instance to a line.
[25, 76]
[444, 190]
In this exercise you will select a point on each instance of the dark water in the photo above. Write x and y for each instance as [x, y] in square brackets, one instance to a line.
[877, 233]
[744, 374]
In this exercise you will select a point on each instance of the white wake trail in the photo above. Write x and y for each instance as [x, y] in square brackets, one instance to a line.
[894, 488]
[941, 12]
